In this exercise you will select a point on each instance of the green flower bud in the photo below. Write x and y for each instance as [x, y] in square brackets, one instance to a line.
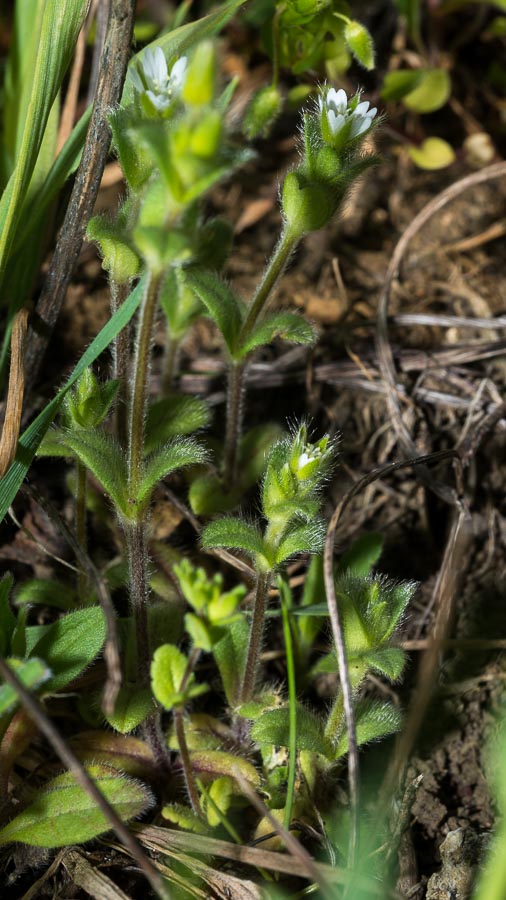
[360, 43]
[198, 89]
[307, 205]
[88, 403]
[262, 112]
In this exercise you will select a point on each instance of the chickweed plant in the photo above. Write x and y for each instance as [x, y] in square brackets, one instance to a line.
[165, 258]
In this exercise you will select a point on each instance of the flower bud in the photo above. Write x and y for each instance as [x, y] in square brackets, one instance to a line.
[198, 89]
[262, 112]
[307, 205]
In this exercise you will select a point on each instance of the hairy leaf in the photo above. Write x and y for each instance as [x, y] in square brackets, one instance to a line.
[211, 764]
[62, 813]
[286, 325]
[373, 721]
[222, 304]
[123, 752]
[229, 655]
[132, 706]
[174, 416]
[71, 644]
[273, 728]
[308, 538]
[46, 592]
[235, 534]
[105, 459]
[176, 455]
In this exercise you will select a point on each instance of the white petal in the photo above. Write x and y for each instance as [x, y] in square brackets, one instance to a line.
[361, 108]
[359, 125]
[335, 121]
[341, 101]
[337, 100]
[159, 101]
[161, 66]
[136, 80]
[372, 112]
[178, 72]
[149, 64]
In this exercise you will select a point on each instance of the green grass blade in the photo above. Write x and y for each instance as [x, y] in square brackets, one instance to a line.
[31, 438]
[60, 26]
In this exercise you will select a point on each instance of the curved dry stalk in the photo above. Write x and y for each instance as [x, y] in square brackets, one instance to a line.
[337, 628]
[385, 355]
[15, 392]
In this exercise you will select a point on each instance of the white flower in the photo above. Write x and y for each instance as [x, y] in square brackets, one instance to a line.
[340, 113]
[154, 80]
[305, 458]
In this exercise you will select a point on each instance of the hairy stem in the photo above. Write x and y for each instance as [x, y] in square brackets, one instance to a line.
[272, 274]
[255, 636]
[235, 390]
[189, 777]
[139, 595]
[140, 384]
[120, 359]
[80, 524]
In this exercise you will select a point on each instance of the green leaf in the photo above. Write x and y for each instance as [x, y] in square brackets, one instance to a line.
[273, 728]
[131, 708]
[307, 538]
[373, 721]
[7, 617]
[105, 459]
[229, 655]
[174, 416]
[421, 90]
[71, 644]
[54, 444]
[185, 818]
[360, 43]
[234, 534]
[399, 84]
[176, 455]
[63, 814]
[433, 153]
[31, 438]
[286, 325]
[363, 554]
[387, 661]
[59, 27]
[211, 764]
[32, 674]
[224, 307]
[46, 592]
[168, 668]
